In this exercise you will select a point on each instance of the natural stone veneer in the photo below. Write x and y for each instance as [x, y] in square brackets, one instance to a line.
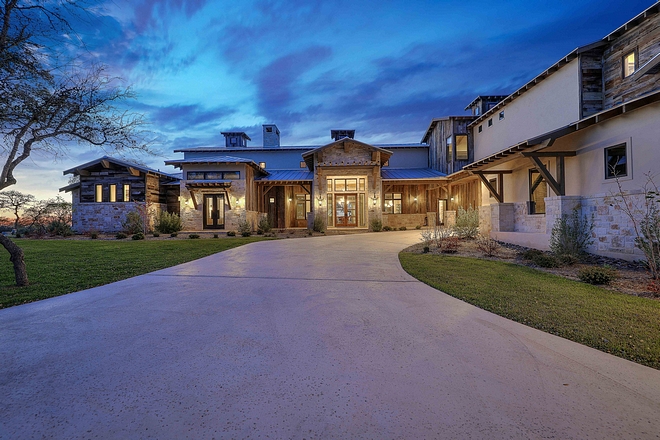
[108, 217]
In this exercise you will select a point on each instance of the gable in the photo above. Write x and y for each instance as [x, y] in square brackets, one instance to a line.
[346, 152]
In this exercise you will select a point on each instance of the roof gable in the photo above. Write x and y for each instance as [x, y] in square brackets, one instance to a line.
[345, 151]
[107, 162]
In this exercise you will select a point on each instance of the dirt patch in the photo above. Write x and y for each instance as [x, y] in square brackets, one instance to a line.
[632, 277]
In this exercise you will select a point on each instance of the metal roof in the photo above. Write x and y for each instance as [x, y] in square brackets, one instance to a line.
[410, 174]
[215, 159]
[70, 187]
[288, 175]
[485, 98]
[238, 149]
[118, 162]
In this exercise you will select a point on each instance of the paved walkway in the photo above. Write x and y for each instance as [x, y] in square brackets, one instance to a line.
[309, 338]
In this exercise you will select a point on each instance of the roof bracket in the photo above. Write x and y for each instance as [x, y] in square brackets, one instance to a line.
[499, 192]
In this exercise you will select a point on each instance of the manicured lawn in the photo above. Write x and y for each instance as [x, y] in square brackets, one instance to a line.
[623, 325]
[56, 267]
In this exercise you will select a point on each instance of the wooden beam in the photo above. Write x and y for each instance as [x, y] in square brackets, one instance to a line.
[105, 164]
[133, 171]
[82, 172]
[305, 189]
[550, 154]
[557, 187]
[498, 195]
[194, 200]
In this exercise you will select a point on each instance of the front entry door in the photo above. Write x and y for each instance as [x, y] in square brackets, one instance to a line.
[214, 211]
[345, 210]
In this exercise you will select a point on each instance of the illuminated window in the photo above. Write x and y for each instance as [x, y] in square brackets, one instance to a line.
[303, 206]
[303, 164]
[538, 191]
[127, 193]
[629, 64]
[113, 192]
[392, 203]
[450, 148]
[98, 194]
[461, 147]
[262, 164]
[231, 175]
[616, 163]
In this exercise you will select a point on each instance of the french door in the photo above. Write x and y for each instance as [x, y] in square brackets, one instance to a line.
[346, 210]
[214, 211]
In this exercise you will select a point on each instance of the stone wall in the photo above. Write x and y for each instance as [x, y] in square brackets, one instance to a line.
[410, 221]
[108, 217]
[192, 217]
[524, 222]
[484, 220]
[450, 219]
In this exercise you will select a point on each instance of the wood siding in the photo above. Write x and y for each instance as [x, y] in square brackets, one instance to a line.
[591, 74]
[452, 126]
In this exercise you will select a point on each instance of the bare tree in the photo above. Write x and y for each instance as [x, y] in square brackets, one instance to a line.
[16, 202]
[48, 102]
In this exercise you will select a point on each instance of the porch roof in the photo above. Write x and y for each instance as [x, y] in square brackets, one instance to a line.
[70, 187]
[288, 176]
[411, 174]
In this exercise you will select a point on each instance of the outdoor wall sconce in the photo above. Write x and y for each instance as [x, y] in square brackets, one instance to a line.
[290, 199]
[415, 199]
[320, 199]
[187, 202]
[452, 199]
[375, 199]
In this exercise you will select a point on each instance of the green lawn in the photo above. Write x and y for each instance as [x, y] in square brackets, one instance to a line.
[56, 267]
[623, 325]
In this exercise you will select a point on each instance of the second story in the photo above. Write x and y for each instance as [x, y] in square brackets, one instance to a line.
[622, 66]
[450, 145]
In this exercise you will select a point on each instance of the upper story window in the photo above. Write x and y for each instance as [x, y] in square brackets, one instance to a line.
[450, 149]
[490, 122]
[262, 164]
[481, 127]
[461, 147]
[127, 192]
[501, 115]
[213, 175]
[113, 192]
[616, 163]
[269, 129]
[303, 164]
[98, 193]
[629, 64]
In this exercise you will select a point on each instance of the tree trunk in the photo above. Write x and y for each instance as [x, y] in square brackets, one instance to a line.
[16, 257]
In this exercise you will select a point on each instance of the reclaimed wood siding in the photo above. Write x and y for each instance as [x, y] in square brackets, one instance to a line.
[645, 38]
[106, 178]
[465, 194]
[591, 73]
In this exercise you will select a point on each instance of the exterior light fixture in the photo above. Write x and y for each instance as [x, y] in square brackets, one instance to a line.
[415, 199]
[290, 199]
[320, 199]
[375, 198]
[452, 199]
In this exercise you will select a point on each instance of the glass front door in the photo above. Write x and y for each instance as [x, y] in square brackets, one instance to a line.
[214, 211]
[346, 210]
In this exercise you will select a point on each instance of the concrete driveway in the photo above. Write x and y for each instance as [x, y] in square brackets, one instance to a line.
[309, 338]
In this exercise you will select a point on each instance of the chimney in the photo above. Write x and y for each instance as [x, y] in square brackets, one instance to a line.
[340, 134]
[271, 135]
[235, 139]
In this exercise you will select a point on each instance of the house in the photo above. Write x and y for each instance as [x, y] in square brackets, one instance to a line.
[566, 139]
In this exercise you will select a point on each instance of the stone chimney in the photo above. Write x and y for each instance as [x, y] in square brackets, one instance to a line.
[271, 135]
[340, 134]
[235, 139]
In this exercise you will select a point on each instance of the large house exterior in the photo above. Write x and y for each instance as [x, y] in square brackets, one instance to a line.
[565, 140]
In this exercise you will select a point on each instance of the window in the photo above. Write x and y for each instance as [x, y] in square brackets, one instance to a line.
[461, 147]
[538, 190]
[477, 110]
[493, 183]
[262, 165]
[392, 203]
[303, 164]
[113, 192]
[213, 175]
[616, 163]
[269, 129]
[501, 115]
[127, 192]
[233, 140]
[98, 193]
[481, 127]
[303, 206]
[491, 105]
[387, 163]
[629, 64]
[450, 150]
[490, 122]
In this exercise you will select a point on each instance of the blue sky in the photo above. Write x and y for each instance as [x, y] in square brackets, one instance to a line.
[384, 68]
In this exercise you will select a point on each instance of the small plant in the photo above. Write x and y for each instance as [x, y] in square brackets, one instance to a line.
[133, 223]
[487, 246]
[193, 236]
[597, 275]
[138, 236]
[450, 245]
[174, 234]
[418, 227]
[530, 254]
[387, 228]
[318, 225]
[231, 233]
[546, 260]
[264, 225]
[427, 249]
[93, 235]
[244, 228]
[216, 235]
[168, 223]
[654, 287]
[310, 233]
[402, 228]
[467, 222]
[57, 227]
[376, 225]
[156, 234]
[120, 235]
[571, 236]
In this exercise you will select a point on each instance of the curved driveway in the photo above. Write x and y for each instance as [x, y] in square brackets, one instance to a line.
[308, 338]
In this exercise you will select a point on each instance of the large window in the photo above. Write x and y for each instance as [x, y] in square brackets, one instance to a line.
[213, 175]
[127, 192]
[303, 206]
[538, 191]
[392, 203]
[461, 147]
[629, 64]
[113, 192]
[98, 193]
[450, 148]
[616, 163]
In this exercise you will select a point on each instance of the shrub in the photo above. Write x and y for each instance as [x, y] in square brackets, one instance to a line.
[168, 223]
[376, 225]
[427, 249]
[216, 235]
[402, 228]
[487, 246]
[467, 222]
[546, 260]
[597, 275]
[174, 234]
[418, 227]
[133, 223]
[156, 234]
[231, 233]
[387, 228]
[138, 236]
[319, 224]
[57, 227]
[193, 236]
[450, 245]
[571, 235]
[264, 225]
[120, 235]
[530, 254]
[93, 235]
[244, 228]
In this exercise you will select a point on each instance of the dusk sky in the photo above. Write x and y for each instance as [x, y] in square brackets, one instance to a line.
[384, 68]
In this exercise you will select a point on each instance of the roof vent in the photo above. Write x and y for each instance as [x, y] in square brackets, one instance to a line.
[234, 139]
[341, 134]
